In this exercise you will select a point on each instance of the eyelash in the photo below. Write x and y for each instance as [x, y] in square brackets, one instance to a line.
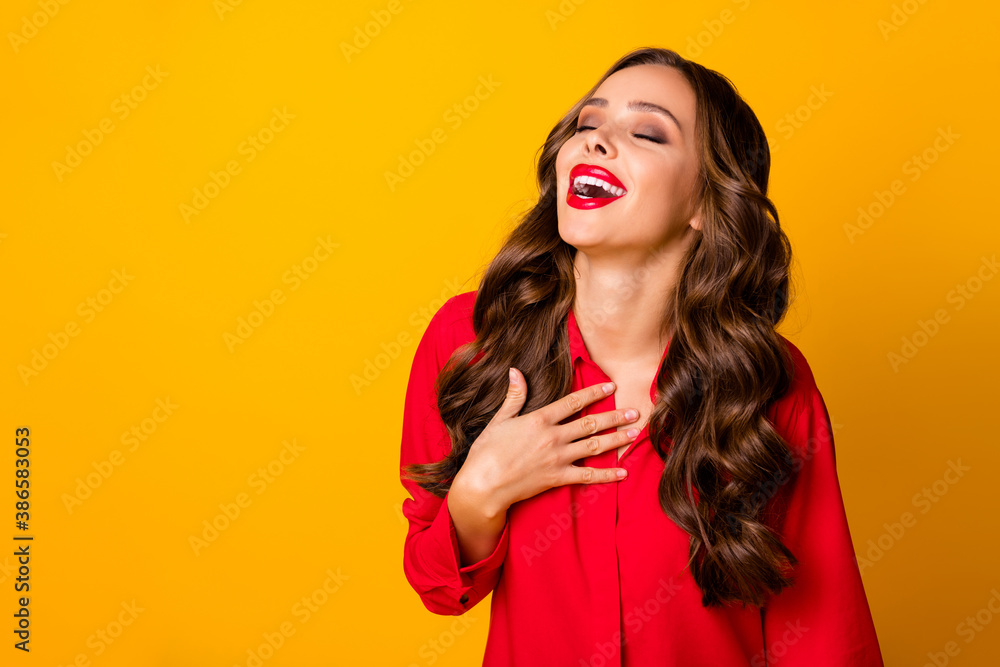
[641, 136]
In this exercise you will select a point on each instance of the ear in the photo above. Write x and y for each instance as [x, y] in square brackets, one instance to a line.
[695, 220]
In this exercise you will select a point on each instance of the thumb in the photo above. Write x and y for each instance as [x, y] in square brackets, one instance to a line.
[517, 391]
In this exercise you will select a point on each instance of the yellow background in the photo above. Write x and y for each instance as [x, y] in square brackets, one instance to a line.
[399, 252]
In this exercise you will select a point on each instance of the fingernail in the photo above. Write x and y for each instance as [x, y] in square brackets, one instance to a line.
[511, 374]
[631, 414]
[608, 387]
[632, 432]
[622, 473]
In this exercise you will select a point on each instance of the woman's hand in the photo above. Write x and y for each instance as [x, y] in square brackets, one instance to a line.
[519, 456]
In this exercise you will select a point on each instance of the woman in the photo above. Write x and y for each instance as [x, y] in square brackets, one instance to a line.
[700, 523]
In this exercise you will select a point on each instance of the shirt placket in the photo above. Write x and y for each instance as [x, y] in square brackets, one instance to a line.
[607, 648]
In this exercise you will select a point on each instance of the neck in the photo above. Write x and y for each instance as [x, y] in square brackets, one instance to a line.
[621, 302]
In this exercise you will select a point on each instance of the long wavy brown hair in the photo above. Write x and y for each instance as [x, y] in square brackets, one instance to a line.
[725, 361]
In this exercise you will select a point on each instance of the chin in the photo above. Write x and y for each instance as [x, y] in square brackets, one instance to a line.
[579, 235]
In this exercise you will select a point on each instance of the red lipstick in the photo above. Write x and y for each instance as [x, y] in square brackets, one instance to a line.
[602, 186]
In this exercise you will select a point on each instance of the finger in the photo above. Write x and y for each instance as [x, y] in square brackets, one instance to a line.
[585, 475]
[598, 444]
[572, 403]
[517, 392]
[597, 422]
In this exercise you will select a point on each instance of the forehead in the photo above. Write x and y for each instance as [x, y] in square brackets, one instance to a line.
[658, 84]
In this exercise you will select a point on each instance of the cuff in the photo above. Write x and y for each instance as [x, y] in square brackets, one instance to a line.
[464, 578]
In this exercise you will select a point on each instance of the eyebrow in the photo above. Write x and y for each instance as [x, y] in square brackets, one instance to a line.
[637, 105]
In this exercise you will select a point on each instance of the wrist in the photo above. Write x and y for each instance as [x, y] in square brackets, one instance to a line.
[480, 495]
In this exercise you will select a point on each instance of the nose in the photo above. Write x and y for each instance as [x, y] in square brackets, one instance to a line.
[599, 141]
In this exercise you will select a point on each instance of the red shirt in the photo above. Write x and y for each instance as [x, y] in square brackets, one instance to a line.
[596, 575]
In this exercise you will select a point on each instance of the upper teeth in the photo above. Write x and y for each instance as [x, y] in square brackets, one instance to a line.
[590, 180]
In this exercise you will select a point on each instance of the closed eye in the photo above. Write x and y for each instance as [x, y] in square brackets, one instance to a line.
[655, 140]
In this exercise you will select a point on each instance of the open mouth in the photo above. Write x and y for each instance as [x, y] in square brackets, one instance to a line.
[591, 186]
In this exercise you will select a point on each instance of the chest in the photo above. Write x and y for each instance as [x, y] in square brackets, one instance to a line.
[632, 394]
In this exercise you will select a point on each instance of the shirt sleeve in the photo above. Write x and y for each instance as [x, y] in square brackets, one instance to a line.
[431, 558]
[823, 619]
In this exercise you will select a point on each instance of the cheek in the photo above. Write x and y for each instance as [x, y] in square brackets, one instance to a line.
[561, 159]
[563, 164]
[652, 193]
[659, 204]
[661, 187]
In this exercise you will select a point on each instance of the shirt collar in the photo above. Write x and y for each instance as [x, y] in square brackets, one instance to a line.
[577, 349]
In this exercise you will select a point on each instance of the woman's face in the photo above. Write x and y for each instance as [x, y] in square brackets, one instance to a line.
[636, 134]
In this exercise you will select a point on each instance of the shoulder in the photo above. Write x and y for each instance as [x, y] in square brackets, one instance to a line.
[454, 318]
[802, 401]
[451, 325]
[456, 311]
[803, 380]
